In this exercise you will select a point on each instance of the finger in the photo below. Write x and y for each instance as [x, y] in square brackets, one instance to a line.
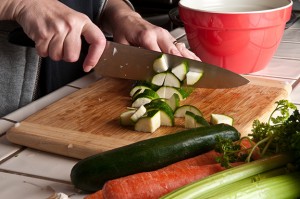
[169, 47]
[42, 45]
[121, 40]
[97, 41]
[72, 47]
[150, 43]
[55, 49]
[185, 52]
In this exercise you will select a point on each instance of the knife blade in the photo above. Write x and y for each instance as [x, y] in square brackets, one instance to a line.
[129, 62]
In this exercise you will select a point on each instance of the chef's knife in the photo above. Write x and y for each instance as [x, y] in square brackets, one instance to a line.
[129, 62]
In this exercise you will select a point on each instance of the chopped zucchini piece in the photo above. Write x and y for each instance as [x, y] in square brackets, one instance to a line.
[167, 92]
[180, 111]
[160, 64]
[181, 70]
[144, 98]
[159, 79]
[221, 118]
[138, 89]
[172, 81]
[166, 112]
[125, 118]
[193, 121]
[186, 91]
[141, 101]
[173, 101]
[193, 77]
[138, 113]
[150, 122]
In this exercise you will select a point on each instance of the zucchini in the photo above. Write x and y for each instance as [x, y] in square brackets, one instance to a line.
[193, 77]
[221, 118]
[91, 173]
[167, 92]
[193, 120]
[142, 85]
[181, 110]
[172, 81]
[159, 79]
[138, 113]
[149, 122]
[181, 70]
[143, 98]
[161, 64]
[125, 118]
[166, 112]
[173, 101]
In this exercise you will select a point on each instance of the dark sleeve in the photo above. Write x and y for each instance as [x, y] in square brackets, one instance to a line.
[55, 74]
[92, 8]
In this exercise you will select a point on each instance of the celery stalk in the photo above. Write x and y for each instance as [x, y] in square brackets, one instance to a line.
[245, 182]
[282, 186]
[220, 179]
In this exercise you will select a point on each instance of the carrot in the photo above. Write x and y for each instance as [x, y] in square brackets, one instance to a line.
[248, 144]
[160, 182]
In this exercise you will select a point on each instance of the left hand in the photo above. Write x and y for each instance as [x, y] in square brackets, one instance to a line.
[128, 27]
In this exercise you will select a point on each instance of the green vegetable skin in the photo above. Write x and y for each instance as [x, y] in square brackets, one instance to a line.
[279, 141]
[91, 173]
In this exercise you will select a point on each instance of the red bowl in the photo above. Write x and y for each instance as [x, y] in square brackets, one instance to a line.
[239, 35]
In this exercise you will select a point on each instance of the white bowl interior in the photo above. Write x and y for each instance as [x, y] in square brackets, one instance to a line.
[235, 6]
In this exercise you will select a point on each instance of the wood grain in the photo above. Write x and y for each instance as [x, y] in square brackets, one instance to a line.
[87, 121]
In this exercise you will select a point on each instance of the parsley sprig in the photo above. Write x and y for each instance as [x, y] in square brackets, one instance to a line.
[281, 133]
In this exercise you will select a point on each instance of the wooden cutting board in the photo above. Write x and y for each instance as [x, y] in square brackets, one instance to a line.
[87, 121]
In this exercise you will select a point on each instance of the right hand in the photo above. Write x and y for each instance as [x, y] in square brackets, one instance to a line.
[57, 29]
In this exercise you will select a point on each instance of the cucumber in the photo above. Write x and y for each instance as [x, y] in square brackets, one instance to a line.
[181, 70]
[161, 64]
[172, 81]
[149, 122]
[193, 120]
[91, 173]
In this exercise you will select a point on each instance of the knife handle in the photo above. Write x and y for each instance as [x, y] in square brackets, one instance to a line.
[19, 37]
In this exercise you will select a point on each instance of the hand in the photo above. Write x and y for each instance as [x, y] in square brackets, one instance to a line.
[134, 30]
[57, 29]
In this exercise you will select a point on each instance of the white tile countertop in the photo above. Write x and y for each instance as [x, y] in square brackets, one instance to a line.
[31, 174]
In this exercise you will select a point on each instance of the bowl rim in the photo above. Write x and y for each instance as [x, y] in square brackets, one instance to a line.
[180, 5]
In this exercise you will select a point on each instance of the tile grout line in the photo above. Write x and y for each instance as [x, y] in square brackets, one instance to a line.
[35, 176]
[26, 174]
[13, 154]
[9, 120]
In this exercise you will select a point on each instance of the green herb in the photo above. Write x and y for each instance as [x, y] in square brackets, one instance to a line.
[281, 133]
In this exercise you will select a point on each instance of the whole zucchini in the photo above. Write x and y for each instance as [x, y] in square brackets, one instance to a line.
[91, 173]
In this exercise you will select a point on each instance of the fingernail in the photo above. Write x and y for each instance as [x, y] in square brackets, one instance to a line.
[87, 68]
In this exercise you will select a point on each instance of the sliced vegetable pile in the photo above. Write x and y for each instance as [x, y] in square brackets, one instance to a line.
[156, 103]
[275, 175]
